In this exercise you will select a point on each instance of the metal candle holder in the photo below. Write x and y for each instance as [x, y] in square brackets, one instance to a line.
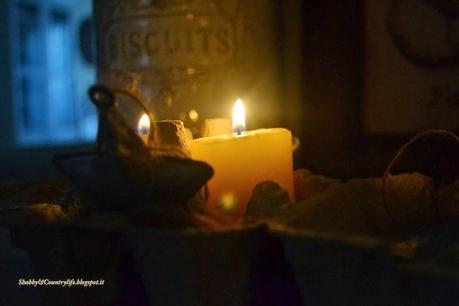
[124, 172]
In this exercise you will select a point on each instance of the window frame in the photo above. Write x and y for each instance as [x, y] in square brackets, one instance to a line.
[18, 131]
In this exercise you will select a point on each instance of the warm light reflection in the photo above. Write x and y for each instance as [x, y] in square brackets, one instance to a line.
[238, 117]
[193, 114]
[228, 202]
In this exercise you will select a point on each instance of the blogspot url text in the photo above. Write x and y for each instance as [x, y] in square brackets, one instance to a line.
[60, 283]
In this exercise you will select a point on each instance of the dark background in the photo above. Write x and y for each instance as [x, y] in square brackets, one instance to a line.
[321, 66]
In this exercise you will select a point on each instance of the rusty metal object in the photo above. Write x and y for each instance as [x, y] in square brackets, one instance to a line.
[125, 173]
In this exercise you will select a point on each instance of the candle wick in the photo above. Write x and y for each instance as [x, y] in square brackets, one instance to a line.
[238, 130]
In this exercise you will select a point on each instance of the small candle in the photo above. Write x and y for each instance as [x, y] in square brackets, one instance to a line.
[242, 160]
[216, 126]
[143, 128]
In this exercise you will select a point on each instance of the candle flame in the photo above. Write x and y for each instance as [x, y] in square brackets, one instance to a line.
[143, 126]
[238, 117]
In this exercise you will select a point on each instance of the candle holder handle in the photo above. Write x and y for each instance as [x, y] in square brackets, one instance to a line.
[152, 136]
[104, 98]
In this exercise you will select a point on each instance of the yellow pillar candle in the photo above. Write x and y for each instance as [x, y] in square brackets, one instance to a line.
[242, 161]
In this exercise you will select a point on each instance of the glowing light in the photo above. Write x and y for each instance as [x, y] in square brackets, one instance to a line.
[193, 114]
[190, 70]
[238, 117]
[144, 124]
[143, 127]
[228, 202]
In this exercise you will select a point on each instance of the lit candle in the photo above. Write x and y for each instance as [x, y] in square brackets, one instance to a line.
[143, 127]
[242, 160]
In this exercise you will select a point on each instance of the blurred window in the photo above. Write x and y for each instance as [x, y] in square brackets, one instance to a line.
[52, 72]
